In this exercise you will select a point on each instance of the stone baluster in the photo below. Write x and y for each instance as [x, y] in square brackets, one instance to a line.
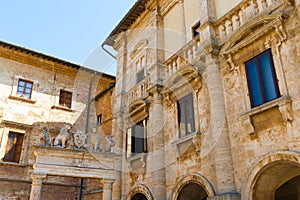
[264, 4]
[256, 8]
[194, 50]
[222, 31]
[177, 63]
[236, 22]
[36, 186]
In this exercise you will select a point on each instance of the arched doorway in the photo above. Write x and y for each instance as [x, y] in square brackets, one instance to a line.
[139, 196]
[270, 175]
[290, 190]
[192, 191]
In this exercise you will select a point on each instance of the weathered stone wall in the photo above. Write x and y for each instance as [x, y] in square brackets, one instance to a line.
[30, 116]
[231, 138]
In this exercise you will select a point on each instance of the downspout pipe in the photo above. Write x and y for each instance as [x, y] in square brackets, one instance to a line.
[102, 46]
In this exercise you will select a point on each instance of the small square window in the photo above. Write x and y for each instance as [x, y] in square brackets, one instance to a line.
[65, 98]
[99, 119]
[262, 80]
[24, 88]
[13, 147]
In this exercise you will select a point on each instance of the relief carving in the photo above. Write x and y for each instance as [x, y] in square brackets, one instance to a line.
[95, 140]
[80, 139]
[64, 136]
[109, 143]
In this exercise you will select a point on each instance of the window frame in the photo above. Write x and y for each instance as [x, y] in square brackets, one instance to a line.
[130, 150]
[23, 92]
[63, 101]
[183, 103]
[17, 144]
[258, 66]
[99, 119]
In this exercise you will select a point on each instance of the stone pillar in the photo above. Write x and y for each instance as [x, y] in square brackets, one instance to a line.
[36, 186]
[182, 22]
[217, 141]
[207, 11]
[156, 155]
[107, 188]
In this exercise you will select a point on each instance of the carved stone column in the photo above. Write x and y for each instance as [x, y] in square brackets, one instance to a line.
[218, 139]
[107, 188]
[36, 186]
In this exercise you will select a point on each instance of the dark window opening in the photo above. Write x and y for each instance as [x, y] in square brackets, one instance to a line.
[289, 190]
[186, 119]
[192, 191]
[65, 98]
[262, 80]
[24, 88]
[137, 139]
[140, 76]
[99, 119]
[139, 196]
[195, 29]
[14, 147]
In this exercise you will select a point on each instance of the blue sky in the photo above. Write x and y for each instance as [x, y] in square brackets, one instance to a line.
[68, 29]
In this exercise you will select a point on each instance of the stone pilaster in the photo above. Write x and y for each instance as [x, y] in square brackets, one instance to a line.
[156, 155]
[182, 22]
[207, 11]
[36, 186]
[107, 188]
[218, 140]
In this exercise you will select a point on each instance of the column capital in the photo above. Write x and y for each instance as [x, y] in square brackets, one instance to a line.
[38, 178]
[107, 183]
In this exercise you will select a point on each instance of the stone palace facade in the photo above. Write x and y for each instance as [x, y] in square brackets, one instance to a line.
[207, 100]
[52, 146]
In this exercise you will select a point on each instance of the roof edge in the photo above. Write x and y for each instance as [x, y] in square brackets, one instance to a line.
[131, 16]
[52, 58]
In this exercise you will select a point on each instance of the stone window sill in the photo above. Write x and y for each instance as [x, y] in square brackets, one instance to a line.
[182, 144]
[22, 99]
[284, 104]
[6, 163]
[137, 162]
[62, 108]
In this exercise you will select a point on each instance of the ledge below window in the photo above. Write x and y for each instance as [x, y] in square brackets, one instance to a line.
[22, 99]
[7, 163]
[284, 104]
[62, 108]
[183, 143]
[138, 162]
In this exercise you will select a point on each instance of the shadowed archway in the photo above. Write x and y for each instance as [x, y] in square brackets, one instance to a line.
[139, 196]
[192, 191]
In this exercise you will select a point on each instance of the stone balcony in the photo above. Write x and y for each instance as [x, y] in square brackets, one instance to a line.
[139, 91]
[244, 13]
[219, 32]
[185, 56]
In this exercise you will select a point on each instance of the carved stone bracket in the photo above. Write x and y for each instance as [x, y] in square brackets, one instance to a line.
[138, 162]
[182, 144]
[284, 105]
[285, 108]
[248, 124]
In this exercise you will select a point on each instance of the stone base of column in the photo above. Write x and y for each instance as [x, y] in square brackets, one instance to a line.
[231, 196]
